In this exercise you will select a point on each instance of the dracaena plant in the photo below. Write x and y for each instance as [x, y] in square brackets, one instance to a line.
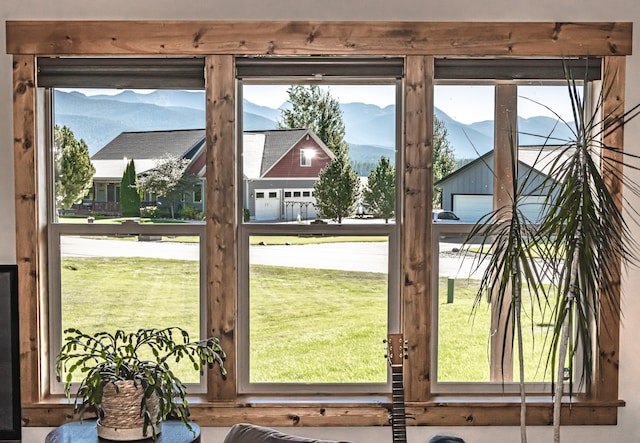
[588, 233]
[579, 243]
[145, 357]
[510, 247]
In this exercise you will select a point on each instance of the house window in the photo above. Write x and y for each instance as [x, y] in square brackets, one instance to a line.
[131, 288]
[306, 155]
[197, 195]
[305, 298]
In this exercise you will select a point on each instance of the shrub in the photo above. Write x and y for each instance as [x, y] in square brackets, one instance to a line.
[149, 212]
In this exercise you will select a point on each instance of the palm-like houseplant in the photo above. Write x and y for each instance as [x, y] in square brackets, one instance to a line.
[510, 248]
[137, 362]
[582, 233]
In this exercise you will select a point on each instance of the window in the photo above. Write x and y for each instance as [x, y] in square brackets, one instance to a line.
[127, 266]
[464, 360]
[313, 285]
[413, 218]
[306, 155]
[197, 195]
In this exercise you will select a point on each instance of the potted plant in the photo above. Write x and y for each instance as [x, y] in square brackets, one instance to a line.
[583, 227]
[128, 378]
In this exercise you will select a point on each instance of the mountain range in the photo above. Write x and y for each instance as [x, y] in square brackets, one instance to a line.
[98, 119]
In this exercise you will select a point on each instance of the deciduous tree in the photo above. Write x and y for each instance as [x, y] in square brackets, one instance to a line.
[315, 109]
[444, 162]
[168, 179]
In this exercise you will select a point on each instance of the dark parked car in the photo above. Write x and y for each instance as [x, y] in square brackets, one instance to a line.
[442, 216]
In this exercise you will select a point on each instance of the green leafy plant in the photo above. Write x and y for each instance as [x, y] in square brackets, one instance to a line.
[143, 357]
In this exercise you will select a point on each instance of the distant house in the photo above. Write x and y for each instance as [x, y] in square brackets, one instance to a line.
[468, 191]
[146, 148]
[280, 168]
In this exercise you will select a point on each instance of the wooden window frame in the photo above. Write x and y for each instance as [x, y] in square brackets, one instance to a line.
[219, 43]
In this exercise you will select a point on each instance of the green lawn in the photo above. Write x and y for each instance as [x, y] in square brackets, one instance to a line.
[463, 338]
[307, 325]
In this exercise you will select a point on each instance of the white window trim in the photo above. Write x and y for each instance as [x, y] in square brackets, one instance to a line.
[57, 230]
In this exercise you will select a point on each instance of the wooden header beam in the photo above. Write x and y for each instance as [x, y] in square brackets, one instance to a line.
[468, 39]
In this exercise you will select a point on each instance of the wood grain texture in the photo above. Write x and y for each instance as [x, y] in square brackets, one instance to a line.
[27, 232]
[505, 135]
[613, 107]
[517, 39]
[461, 412]
[221, 217]
[416, 309]
[419, 42]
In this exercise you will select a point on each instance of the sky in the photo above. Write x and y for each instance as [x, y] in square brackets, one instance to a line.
[464, 103]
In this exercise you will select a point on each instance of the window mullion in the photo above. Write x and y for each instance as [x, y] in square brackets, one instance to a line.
[505, 134]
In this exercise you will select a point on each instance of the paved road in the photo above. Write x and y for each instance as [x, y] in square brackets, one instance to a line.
[369, 257]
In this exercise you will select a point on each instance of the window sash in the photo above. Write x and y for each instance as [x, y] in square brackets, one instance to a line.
[268, 71]
[59, 230]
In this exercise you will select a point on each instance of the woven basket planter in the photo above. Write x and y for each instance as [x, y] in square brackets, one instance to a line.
[123, 419]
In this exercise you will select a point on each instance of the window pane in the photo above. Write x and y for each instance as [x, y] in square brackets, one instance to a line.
[131, 282]
[135, 157]
[288, 152]
[463, 132]
[98, 133]
[317, 309]
[463, 332]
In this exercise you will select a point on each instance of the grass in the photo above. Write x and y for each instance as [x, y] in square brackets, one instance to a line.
[106, 294]
[317, 326]
[463, 337]
[306, 325]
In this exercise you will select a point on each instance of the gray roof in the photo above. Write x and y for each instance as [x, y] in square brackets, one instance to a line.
[539, 158]
[268, 147]
[151, 144]
[277, 143]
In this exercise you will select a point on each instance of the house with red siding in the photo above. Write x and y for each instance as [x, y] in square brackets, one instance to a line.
[280, 168]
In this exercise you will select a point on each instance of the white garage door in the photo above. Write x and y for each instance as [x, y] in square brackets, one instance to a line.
[267, 204]
[471, 207]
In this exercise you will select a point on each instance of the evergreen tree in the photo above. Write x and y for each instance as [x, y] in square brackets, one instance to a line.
[129, 195]
[315, 109]
[444, 162]
[73, 168]
[380, 194]
[337, 189]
